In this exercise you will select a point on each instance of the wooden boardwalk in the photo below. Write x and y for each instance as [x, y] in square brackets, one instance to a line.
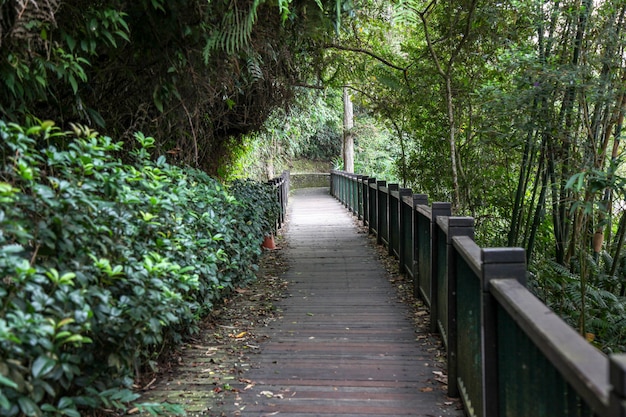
[345, 346]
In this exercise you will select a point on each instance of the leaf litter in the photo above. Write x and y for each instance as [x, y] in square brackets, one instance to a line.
[206, 373]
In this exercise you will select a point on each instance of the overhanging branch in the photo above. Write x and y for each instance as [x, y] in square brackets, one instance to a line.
[366, 52]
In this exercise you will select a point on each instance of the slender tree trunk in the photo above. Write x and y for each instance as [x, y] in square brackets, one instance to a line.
[537, 217]
[445, 71]
[543, 179]
[621, 231]
[451, 124]
[522, 184]
[348, 135]
[403, 167]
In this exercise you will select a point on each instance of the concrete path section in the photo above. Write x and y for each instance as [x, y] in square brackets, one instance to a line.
[345, 346]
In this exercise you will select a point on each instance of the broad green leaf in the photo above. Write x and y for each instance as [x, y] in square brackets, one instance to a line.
[73, 83]
[7, 382]
[29, 407]
[42, 366]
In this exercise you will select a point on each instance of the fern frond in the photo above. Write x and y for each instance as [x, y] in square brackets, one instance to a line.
[235, 30]
[562, 271]
[406, 12]
[254, 68]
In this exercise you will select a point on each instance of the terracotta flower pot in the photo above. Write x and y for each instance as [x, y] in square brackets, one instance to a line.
[268, 242]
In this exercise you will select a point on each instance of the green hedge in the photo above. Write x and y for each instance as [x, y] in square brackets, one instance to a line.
[103, 265]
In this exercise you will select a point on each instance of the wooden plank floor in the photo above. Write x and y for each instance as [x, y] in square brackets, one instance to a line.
[345, 346]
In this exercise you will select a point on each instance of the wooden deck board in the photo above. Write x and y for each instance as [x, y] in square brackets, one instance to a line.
[345, 346]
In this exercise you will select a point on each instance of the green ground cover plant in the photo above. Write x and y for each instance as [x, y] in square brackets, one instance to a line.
[105, 265]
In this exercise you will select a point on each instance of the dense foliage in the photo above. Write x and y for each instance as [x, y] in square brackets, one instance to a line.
[196, 74]
[104, 265]
[513, 111]
[310, 128]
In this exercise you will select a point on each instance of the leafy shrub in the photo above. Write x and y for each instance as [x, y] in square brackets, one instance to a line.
[103, 265]
[259, 204]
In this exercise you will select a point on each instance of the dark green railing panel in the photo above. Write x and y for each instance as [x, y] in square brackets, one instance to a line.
[423, 254]
[361, 197]
[349, 191]
[442, 284]
[406, 236]
[373, 207]
[354, 193]
[544, 366]
[367, 200]
[281, 186]
[383, 216]
[337, 180]
[529, 383]
[345, 189]
[431, 272]
[394, 221]
[469, 357]
[507, 356]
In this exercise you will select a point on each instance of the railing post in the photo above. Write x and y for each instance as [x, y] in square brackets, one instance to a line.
[392, 223]
[438, 209]
[446, 288]
[496, 263]
[617, 379]
[380, 202]
[403, 228]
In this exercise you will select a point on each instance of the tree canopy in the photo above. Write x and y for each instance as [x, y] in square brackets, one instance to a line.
[512, 111]
[198, 74]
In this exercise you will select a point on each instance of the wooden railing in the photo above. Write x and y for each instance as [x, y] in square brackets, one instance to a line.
[281, 185]
[509, 355]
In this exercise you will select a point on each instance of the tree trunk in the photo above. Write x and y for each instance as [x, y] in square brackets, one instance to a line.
[348, 135]
[445, 71]
[451, 124]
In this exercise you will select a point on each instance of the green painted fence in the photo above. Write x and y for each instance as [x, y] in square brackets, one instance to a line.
[508, 354]
[281, 186]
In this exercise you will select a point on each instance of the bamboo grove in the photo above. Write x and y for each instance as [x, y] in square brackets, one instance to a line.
[514, 112]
